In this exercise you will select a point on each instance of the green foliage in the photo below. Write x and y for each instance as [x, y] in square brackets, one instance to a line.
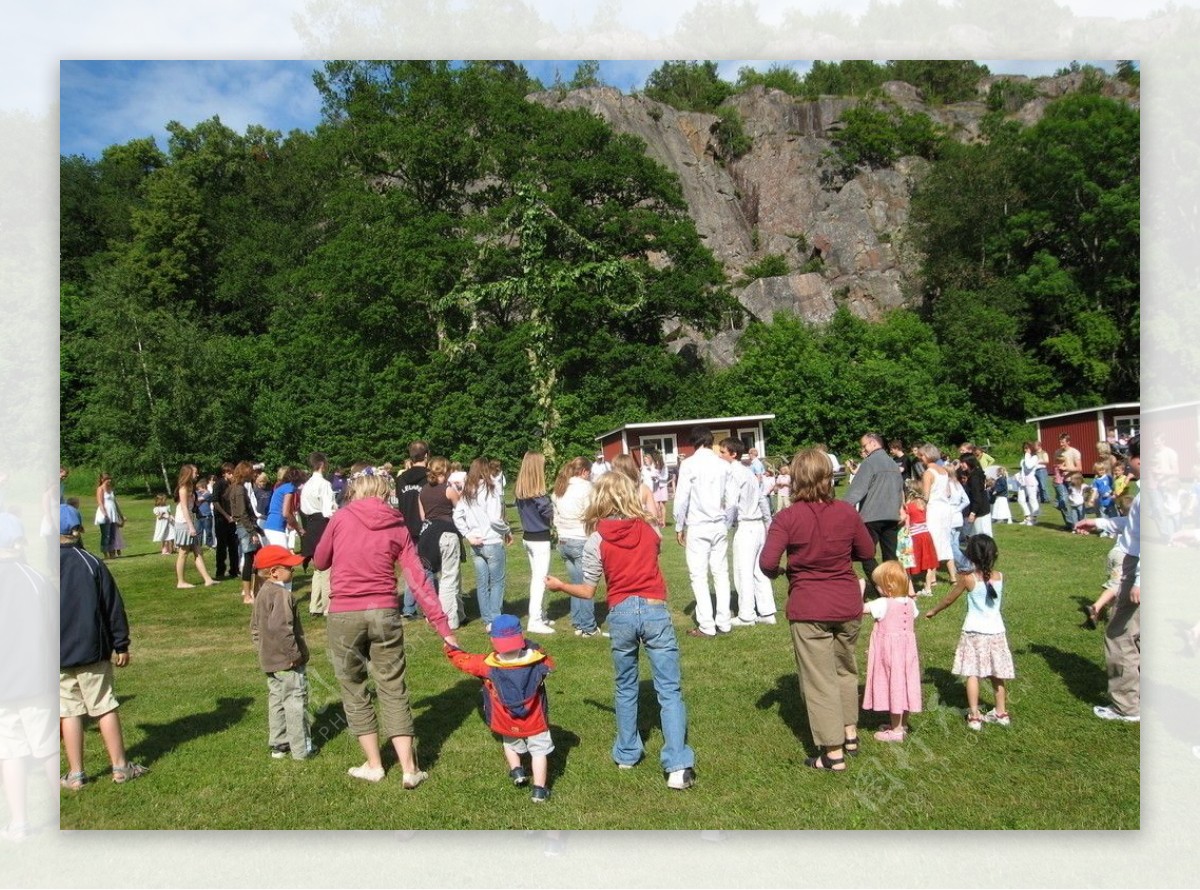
[587, 74]
[776, 77]
[940, 80]
[1010, 95]
[688, 86]
[876, 137]
[770, 266]
[731, 134]
[1129, 72]
[852, 77]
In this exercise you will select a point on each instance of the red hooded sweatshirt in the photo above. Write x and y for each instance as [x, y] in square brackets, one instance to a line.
[629, 553]
[362, 543]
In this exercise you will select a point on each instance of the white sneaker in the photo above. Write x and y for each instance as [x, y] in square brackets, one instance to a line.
[975, 722]
[367, 773]
[681, 779]
[993, 716]
[1106, 713]
[739, 621]
[765, 619]
[538, 627]
[412, 780]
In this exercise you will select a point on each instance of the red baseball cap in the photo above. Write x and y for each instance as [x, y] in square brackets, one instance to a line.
[274, 555]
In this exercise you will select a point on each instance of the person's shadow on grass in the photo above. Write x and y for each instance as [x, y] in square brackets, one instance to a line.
[786, 695]
[950, 687]
[161, 738]
[443, 713]
[648, 719]
[1084, 679]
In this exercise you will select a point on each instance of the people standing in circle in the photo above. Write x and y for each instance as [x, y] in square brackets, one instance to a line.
[654, 475]
[248, 533]
[1028, 496]
[439, 546]
[877, 492]
[600, 466]
[109, 518]
[187, 534]
[572, 494]
[624, 463]
[283, 511]
[317, 504]
[408, 495]
[479, 517]
[939, 513]
[749, 515]
[537, 516]
[705, 489]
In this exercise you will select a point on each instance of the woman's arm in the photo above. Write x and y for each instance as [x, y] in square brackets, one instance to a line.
[773, 549]
[100, 503]
[927, 481]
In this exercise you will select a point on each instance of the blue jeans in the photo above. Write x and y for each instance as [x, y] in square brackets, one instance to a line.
[638, 622]
[583, 612]
[410, 602]
[961, 563]
[106, 535]
[1043, 481]
[490, 565]
[1064, 505]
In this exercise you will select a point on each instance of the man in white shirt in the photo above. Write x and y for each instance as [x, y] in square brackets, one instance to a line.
[701, 496]
[317, 504]
[749, 514]
[599, 467]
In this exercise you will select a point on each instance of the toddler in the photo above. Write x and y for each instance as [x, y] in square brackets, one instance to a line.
[164, 527]
[514, 699]
[893, 669]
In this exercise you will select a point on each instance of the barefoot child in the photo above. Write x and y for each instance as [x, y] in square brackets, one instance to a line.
[983, 647]
[514, 699]
[164, 532]
[893, 669]
[282, 653]
[623, 546]
[924, 556]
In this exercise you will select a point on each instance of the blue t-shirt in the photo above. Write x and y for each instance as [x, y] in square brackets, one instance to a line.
[275, 521]
[1103, 486]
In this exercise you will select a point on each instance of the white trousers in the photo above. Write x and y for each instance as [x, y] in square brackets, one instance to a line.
[755, 596]
[707, 553]
[539, 566]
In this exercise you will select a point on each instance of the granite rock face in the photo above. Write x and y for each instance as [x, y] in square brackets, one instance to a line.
[845, 242]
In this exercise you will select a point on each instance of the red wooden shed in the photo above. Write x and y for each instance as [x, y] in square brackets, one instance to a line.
[671, 437]
[1178, 427]
[1087, 427]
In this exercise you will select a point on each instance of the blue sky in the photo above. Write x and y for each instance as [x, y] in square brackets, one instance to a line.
[105, 103]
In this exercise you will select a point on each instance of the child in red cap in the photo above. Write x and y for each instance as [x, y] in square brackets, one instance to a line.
[514, 699]
[282, 653]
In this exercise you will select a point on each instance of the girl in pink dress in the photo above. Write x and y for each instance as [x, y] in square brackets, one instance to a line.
[893, 669]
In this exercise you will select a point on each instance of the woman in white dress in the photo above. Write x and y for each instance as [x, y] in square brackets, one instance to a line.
[1027, 496]
[939, 512]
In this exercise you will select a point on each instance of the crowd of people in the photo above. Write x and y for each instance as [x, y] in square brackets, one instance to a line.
[905, 516]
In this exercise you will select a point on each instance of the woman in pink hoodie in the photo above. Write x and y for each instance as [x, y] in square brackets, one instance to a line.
[362, 544]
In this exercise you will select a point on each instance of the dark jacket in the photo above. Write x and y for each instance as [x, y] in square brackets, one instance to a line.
[536, 515]
[91, 616]
[276, 630]
[878, 488]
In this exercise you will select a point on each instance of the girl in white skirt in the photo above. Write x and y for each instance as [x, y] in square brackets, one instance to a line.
[983, 647]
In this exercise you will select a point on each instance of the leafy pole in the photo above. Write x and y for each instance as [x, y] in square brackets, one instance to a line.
[543, 274]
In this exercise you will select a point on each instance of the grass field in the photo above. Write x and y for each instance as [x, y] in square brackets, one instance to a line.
[193, 706]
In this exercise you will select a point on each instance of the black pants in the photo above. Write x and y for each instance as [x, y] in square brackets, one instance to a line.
[227, 546]
[885, 533]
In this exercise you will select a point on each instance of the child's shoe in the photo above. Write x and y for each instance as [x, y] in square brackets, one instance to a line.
[994, 716]
[278, 752]
[128, 772]
[975, 722]
[890, 735]
[518, 775]
[367, 773]
[540, 794]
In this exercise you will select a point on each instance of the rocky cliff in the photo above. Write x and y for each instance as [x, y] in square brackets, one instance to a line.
[846, 243]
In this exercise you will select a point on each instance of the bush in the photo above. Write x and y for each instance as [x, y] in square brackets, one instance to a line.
[771, 266]
[731, 134]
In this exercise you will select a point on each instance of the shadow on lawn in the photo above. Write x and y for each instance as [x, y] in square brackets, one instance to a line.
[786, 694]
[648, 710]
[442, 715]
[162, 738]
[1083, 679]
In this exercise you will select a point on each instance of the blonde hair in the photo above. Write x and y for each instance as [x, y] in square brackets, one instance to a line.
[438, 470]
[614, 496]
[891, 578]
[812, 476]
[531, 479]
[913, 491]
[624, 463]
[367, 481]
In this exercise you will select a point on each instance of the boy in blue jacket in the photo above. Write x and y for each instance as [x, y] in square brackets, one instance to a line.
[93, 635]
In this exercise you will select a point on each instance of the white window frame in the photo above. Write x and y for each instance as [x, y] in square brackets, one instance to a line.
[667, 445]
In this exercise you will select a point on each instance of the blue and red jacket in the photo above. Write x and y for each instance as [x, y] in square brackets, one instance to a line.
[514, 692]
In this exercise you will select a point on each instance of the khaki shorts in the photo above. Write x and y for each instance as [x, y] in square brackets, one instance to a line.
[534, 744]
[87, 689]
[28, 729]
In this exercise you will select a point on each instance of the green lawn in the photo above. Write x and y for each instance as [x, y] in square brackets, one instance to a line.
[193, 706]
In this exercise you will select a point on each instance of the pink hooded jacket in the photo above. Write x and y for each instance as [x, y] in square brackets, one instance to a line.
[362, 543]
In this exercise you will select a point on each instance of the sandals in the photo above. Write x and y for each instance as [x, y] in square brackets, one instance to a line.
[73, 781]
[128, 772]
[824, 761]
[850, 746]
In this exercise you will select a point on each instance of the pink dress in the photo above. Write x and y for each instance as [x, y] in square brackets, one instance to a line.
[893, 669]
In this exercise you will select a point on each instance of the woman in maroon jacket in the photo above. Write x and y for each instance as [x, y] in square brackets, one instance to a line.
[822, 536]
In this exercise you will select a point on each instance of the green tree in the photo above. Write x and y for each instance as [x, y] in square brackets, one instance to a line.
[688, 86]
[940, 80]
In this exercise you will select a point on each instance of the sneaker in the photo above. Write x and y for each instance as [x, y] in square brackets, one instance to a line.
[632, 765]
[994, 716]
[412, 780]
[588, 634]
[975, 722]
[739, 621]
[367, 773]
[278, 752]
[538, 627]
[1106, 713]
[518, 775]
[540, 794]
[765, 619]
[890, 735]
[681, 779]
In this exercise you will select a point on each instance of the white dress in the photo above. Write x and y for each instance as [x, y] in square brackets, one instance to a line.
[939, 516]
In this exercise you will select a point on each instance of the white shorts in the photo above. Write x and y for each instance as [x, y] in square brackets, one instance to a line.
[28, 729]
[540, 744]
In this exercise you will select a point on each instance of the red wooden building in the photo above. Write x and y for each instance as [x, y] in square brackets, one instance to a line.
[1177, 427]
[1087, 427]
[671, 437]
